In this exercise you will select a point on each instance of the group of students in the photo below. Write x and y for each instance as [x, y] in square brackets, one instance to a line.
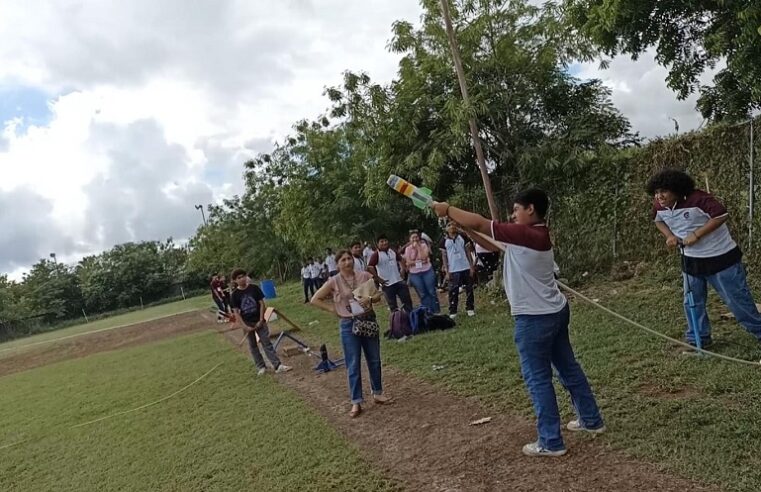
[687, 217]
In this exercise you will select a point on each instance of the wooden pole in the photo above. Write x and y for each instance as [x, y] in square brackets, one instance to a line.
[493, 210]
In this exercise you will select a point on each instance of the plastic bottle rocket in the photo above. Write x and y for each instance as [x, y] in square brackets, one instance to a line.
[421, 197]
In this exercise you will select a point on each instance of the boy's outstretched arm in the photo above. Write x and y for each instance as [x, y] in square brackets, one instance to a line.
[466, 219]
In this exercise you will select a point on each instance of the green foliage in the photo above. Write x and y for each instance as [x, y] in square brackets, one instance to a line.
[689, 38]
[125, 276]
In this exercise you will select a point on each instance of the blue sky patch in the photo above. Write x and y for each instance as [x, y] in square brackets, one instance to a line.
[29, 103]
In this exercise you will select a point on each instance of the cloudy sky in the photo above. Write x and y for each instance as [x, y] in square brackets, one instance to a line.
[117, 117]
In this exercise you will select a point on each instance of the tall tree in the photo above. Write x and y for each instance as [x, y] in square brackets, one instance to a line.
[689, 38]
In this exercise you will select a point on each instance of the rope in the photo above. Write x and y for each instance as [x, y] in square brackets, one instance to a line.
[654, 332]
[125, 412]
[624, 318]
[52, 340]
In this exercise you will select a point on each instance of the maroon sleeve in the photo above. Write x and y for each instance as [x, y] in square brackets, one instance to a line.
[443, 243]
[710, 205]
[373, 259]
[466, 238]
[533, 237]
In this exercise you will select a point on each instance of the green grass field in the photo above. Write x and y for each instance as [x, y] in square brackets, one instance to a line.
[112, 322]
[700, 418]
[697, 417]
[231, 431]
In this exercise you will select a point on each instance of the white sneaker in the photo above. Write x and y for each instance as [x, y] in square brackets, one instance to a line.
[453, 316]
[261, 372]
[577, 426]
[283, 368]
[534, 449]
[471, 313]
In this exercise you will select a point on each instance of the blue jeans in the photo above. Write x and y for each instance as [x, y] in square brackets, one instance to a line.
[353, 347]
[425, 285]
[543, 342]
[732, 286]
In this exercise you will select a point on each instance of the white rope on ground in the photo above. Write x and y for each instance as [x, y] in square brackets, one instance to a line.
[67, 337]
[624, 318]
[654, 332]
[125, 412]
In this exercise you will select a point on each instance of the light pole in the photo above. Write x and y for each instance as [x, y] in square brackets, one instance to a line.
[203, 215]
[55, 260]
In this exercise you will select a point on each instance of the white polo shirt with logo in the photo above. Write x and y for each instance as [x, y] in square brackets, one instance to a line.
[386, 262]
[529, 269]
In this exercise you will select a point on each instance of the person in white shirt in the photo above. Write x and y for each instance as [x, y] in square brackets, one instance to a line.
[315, 269]
[306, 279]
[367, 252]
[360, 265]
[384, 265]
[330, 262]
[541, 315]
[457, 261]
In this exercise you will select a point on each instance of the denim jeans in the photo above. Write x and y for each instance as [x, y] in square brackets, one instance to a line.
[543, 342]
[400, 290]
[457, 280]
[353, 346]
[732, 287]
[425, 285]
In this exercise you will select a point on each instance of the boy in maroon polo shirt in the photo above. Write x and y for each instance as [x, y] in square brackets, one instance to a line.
[697, 219]
[541, 314]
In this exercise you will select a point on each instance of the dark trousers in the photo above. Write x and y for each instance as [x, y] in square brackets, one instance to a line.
[309, 289]
[401, 290]
[456, 280]
[266, 343]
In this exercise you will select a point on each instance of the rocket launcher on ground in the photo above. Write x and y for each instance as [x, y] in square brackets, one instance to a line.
[421, 197]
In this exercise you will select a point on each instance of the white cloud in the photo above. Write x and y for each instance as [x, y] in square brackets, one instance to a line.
[639, 91]
[154, 106]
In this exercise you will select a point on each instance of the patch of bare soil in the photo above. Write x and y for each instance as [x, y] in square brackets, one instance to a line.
[81, 346]
[424, 441]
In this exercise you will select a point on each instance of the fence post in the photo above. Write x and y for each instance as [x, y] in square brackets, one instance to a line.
[183, 292]
[141, 303]
[751, 189]
[615, 223]
[85, 315]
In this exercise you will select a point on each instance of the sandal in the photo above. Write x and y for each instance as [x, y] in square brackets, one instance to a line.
[382, 400]
[355, 412]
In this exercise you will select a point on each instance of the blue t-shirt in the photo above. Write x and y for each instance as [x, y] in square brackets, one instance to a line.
[247, 300]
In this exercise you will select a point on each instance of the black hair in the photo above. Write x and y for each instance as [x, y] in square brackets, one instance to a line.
[380, 237]
[673, 180]
[536, 197]
[355, 243]
[237, 273]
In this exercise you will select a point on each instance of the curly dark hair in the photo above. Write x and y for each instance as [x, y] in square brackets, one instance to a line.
[673, 180]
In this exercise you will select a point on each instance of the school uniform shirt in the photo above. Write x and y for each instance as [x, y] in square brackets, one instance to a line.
[529, 266]
[367, 253]
[314, 270]
[713, 252]
[330, 261]
[387, 264]
[360, 265]
[457, 256]
[306, 272]
[247, 300]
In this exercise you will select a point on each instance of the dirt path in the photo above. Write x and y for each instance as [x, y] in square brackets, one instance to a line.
[424, 441]
[81, 346]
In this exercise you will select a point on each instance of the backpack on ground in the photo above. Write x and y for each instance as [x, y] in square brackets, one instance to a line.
[440, 322]
[398, 325]
[419, 320]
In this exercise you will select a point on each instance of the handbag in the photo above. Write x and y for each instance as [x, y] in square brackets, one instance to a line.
[366, 326]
